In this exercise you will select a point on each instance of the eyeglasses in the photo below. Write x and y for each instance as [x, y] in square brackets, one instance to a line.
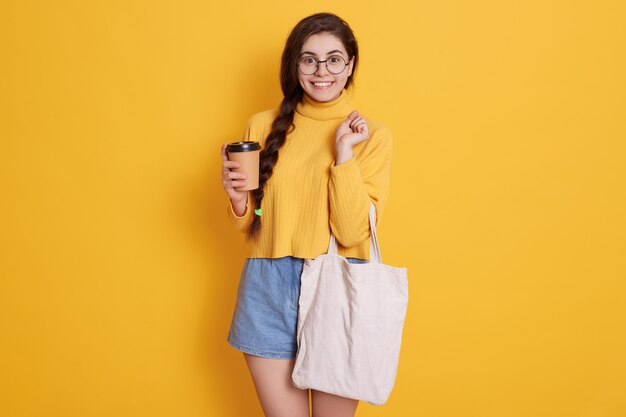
[335, 64]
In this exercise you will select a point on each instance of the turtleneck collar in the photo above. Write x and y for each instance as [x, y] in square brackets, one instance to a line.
[338, 108]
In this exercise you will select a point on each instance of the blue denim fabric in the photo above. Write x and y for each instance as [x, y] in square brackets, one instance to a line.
[265, 319]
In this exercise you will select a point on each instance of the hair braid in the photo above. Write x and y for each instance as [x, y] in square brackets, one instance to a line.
[269, 155]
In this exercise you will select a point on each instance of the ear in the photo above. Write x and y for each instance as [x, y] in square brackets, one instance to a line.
[350, 66]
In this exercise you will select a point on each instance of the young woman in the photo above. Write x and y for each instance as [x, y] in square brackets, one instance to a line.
[322, 165]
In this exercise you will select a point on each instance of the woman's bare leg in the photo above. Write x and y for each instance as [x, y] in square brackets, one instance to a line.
[277, 394]
[329, 405]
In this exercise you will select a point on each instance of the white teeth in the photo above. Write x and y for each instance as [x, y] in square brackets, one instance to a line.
[326, 84]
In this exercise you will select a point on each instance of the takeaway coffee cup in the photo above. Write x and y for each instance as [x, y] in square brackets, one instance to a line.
[247, 153]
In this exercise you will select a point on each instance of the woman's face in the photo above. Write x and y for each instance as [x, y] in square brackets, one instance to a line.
[323, 85]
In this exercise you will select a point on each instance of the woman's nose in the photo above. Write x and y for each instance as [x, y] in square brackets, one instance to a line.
[321, 68]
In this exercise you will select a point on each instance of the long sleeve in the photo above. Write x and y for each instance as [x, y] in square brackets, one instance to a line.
[254, 131]
[354, 184]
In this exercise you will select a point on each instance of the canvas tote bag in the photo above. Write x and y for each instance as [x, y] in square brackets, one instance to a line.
[350, 322]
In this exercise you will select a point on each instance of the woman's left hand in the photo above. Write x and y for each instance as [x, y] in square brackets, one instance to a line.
[352, 131]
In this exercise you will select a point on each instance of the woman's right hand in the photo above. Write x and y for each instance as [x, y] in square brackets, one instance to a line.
[231, 179]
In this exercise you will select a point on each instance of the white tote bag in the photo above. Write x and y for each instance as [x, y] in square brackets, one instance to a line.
[350, 322]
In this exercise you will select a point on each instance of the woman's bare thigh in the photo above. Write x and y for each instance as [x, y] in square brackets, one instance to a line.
[277, 394]
[329, 405]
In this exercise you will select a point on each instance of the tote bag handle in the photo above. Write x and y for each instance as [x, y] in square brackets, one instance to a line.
[374, 249]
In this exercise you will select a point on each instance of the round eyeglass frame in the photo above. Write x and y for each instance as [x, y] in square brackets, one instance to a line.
[319, 61]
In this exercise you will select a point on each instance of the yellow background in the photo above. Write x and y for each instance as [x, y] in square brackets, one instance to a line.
[118, 266]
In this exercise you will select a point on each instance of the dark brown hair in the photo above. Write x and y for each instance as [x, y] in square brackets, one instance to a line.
[293, 93]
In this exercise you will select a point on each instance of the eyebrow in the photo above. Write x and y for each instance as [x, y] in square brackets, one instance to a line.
[327, 53]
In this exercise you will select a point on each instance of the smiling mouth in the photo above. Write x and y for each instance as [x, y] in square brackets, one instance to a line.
[322, 84]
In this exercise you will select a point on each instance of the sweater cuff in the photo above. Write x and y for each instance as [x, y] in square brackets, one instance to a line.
[346, 173]
[232, 213]
[240, 221]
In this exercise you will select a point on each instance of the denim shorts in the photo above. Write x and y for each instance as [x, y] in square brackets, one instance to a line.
[265, 319]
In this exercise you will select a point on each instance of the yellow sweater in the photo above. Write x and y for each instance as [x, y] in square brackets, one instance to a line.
[308, 196]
